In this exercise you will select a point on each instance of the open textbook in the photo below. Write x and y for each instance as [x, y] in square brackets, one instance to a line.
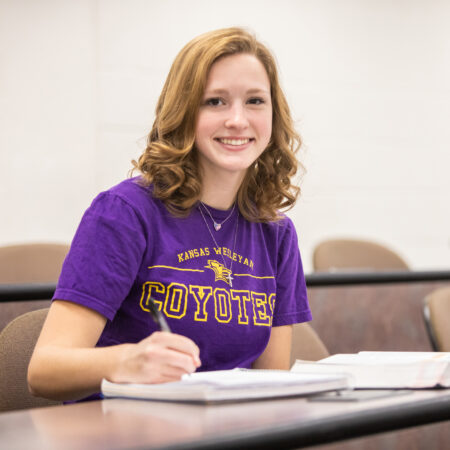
[230, 385]
[385, 370]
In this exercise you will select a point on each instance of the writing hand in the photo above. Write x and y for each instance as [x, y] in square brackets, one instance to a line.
[159, 358]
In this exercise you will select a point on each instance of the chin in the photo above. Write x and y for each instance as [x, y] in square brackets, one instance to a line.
[236, 168]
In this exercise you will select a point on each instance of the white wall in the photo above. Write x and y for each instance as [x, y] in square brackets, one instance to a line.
[47, 117]
[368, 82]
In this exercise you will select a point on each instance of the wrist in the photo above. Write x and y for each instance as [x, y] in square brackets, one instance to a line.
[116, 371]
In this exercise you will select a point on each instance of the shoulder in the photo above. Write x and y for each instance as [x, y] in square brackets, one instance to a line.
[129, 200]
[282, 228]
[131, 193]
[278, 236]
[131, 190]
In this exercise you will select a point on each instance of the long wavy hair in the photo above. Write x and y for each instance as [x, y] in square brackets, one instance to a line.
[170, 160]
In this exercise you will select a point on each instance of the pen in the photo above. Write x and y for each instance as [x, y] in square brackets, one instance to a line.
[158, 316]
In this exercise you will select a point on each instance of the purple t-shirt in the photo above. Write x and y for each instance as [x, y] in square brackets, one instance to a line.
[128, 247]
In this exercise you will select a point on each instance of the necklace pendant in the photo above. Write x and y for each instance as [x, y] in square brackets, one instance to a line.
[230, 278]
[217, 226]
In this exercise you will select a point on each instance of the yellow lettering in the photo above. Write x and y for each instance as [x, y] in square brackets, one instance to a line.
[251, 264]
[240, 258]
[202, 253]
[186, 255]
[191, 253]
[241, 297]
[272, 298]
[218, 251]
[180, 257]
[176, 300]
[147, 293]
[201, 295]
[260, 316]
[222, 305]
[246, 262]
[207, 251]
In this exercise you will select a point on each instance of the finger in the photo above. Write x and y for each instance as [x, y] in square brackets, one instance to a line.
[175, 341]
[172, 373]
[178, 343]
[181, 361]
[163, 357]
[163, 378]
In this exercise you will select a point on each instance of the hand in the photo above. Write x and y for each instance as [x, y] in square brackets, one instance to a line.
[160, 358]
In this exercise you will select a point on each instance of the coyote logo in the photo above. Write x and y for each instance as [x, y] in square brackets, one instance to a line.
[220, 271]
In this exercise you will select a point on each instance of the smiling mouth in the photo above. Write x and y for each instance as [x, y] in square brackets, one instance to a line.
[235, 142]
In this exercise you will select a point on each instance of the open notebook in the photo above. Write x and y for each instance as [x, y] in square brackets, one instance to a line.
[230, 385]
[385, 370]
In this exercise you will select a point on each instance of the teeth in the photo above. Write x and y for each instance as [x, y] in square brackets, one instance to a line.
[235, 141]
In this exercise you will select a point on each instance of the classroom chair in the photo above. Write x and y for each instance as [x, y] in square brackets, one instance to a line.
[436, 314]
[31, 263]
[338, 254]
[17, 341]
[306, 344]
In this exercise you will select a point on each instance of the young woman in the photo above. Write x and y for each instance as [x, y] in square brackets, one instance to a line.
[198, 231]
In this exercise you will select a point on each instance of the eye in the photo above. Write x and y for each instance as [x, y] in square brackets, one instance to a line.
[214, 101]
[256, 101]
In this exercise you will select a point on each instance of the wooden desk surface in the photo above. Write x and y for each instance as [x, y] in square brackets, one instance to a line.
[287, 423]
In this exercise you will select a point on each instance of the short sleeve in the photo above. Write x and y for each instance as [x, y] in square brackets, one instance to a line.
[104, 257]
[291, 303]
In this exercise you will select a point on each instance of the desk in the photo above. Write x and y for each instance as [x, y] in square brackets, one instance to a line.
[284, 423]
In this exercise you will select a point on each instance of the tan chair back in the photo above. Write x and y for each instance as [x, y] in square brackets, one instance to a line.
[338, 254]
[437, 316]
[31, 263]
[306, 344]
[17, 341]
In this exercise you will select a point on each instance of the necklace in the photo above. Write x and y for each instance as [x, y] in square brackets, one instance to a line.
[217, 225]
[229, 270]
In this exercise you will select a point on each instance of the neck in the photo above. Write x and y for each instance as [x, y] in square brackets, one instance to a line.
[220, 193]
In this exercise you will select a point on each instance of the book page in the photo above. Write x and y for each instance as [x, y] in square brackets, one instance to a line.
[230, 385]
[404, 357]
[386, 358]
[249, 377]
[386, 369]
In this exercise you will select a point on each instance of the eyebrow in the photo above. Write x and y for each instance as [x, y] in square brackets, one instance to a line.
[250, 91]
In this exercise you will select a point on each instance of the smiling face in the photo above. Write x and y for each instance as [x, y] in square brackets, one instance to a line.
[234, 122]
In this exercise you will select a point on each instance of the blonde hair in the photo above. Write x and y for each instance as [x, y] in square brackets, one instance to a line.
[170, 159]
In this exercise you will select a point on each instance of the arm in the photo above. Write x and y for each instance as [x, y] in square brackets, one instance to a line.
[277, 354]
[66, 365]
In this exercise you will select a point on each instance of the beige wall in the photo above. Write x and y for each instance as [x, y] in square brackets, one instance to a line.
[368, 82]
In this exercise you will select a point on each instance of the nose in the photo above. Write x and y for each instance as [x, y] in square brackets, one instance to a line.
[237, 117]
